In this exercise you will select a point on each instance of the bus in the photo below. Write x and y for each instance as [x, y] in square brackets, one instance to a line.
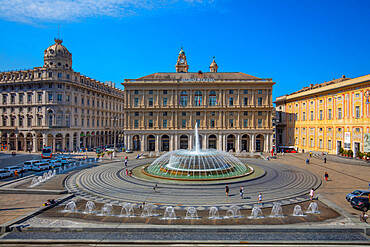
[287, 149]
[46, 153]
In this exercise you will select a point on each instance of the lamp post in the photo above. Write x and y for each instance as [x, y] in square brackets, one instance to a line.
[114, 136]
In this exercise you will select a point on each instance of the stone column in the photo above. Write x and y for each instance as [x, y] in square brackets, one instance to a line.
[253, 143]
[204, 145]
[176, 142]
[191, 140]
[219, 141]
[70, 142]
[54, 148]
[237, 148]
[144, 144]
[157, 144]
[34, 143]
[224, 142]
[171, 143]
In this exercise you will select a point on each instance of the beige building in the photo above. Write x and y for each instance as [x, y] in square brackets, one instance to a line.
[233, 110]
[55, 106]
[326, 117]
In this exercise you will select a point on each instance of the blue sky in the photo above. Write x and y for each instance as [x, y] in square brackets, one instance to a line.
[294, 42]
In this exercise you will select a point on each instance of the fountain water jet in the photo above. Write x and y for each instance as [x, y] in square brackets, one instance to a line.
[256, 212]
[277, 210]
[106, 209]
[298, 211]
[89, 208]
[70, 207]
[313, 208]
[127, 210]
[191, 213]
[148, 210]
[169, 213]
[233, 212]
[213, 213]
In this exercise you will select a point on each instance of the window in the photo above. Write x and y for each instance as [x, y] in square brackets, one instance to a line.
[213, 113]
[198, 122]
[150, 123]
[304, 116]
[150, 102]
[184, 98]
[198, 98]
[320, 143]
[12, 98]
[259, 91]
[212, 123]
[4, 98]
[357, 95]
[311, 115]
[164, 123]
[231, 101]
[136, 123]
[357, 111]
[4, 121]
[88, 101]
[67, 120]
[21, 98]
[339, 129]
[136, 102]
[329, 100]
[245, 101]
[339, 113]
[259, 123]
[20, 121]
[183, 113]
[60, 85]
[231, 113]
[357, 130]
[136, 92]
[67, 76]
[259, 101]
[136, 113]
[164, 91]
[311, 142]
[231, 123]
[320, 114]
[59, 97]
[150, 91]
[303, 141]
[183, 123]
[245, 123]
[320, 101]
[50, 120]
[150, 114]
[245, 91]
[197, 113]
[245, 113]
[164, 113]
[50, 96]
[68, 98]
[329, 145]
[231, 91]
[29, 98]
[50, 75]
[260, 114]
[164, 101]
[329, 114]
[212, 98]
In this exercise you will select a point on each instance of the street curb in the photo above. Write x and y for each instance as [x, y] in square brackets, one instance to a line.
[32, 191]
[8, 225]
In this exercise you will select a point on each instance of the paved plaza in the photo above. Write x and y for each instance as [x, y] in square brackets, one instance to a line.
[288, 180]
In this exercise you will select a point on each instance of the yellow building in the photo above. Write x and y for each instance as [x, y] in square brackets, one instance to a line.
[326, 117]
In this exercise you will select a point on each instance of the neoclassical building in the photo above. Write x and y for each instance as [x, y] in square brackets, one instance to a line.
[233, 110]
[326, 117]
[55, 106]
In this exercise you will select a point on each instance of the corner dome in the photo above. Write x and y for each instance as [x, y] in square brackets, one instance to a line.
[57, 56]
[182, 52]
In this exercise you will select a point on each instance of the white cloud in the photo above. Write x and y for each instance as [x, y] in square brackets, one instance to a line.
[30, 11]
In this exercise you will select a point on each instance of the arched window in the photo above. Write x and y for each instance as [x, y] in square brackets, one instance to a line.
[212, 98]
[184, 98]
[198, 98]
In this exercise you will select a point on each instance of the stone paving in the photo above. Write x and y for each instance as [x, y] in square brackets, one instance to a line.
[109, 184]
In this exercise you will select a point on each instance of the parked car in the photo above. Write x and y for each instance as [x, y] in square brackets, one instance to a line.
[5, 173]
[357, 193]
[129, 151]
[14, 168]
[41, 166]
[27, 165]
[361, 203]
[55, 163]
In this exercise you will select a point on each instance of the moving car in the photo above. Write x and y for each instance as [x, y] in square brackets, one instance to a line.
[27, 165]
[41, 166]
[5, 173]
[357, 193]
[129, 151]
[361, 203]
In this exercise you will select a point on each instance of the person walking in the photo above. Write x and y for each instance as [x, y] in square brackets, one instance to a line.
[125, 162]
[227, 189]
[22, 171]
[307, 161]
[15, 174]
[312, 192]
[241, 191]
[260, 199]
[326, 176]
[324, 159]
[310, 154]
[126, 158]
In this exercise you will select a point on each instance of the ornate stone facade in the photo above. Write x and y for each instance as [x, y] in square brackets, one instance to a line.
[233, 110]
[56, 106]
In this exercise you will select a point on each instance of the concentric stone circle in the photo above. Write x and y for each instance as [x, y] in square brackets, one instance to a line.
[109, 183]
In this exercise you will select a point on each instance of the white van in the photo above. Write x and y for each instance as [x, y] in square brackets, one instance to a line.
[27, 165]
[41, 166]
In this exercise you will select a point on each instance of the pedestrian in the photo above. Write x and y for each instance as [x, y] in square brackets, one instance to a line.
[310, 154]
[241, 191]
[326, 176]
[268, 158]
[227, 189]
[22, 171]
[282, 152]
[260, 199]
[324, 159]
[126, 158]
[138, 156]
[125, 162]
[15, 174]
[307, 161]
[126, 172]
[312, 193]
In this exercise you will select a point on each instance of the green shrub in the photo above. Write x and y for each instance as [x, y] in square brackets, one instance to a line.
[341, 150]
[360, 154]
[350, 153]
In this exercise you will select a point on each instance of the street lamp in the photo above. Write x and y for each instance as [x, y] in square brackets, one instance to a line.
[114, 129]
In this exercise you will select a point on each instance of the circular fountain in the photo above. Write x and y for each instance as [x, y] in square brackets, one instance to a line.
[197, 164]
